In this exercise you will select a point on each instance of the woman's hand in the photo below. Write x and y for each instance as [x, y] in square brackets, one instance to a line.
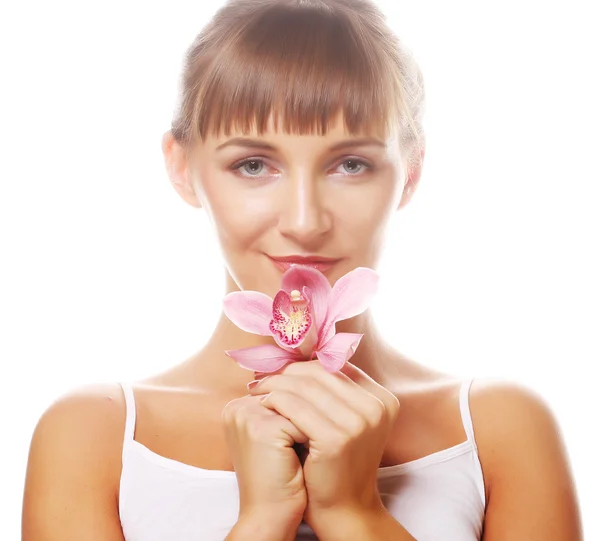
[347, 417]
[269, 473]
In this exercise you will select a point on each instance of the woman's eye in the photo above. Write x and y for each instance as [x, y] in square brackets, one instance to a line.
[252, 166]
[354, 166]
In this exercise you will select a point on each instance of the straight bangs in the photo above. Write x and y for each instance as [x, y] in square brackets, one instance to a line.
[304, 68]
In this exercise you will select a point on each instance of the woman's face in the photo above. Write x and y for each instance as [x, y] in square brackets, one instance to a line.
[281, 195]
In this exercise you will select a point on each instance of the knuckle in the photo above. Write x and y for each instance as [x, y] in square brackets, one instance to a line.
[240, 417]
[269, 377]
[337, 443]
[255, 427]
[230, 410]
[358, 426]
[394, 405]
[381, 410]
[378, 412]
[276, 396]
[372, 411]
[256, 421]
[303, 386]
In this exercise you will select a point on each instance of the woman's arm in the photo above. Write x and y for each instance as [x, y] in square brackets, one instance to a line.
[531, 492]
[267, 528]
[73, 467]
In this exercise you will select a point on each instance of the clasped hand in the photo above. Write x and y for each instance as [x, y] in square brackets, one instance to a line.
[345, 419]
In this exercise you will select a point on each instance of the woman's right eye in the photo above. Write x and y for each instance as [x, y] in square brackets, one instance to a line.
[252, 166]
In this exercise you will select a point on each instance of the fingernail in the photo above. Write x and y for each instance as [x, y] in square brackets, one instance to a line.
[252, 384]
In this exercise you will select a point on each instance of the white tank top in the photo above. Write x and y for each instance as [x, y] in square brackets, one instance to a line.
[439, 496]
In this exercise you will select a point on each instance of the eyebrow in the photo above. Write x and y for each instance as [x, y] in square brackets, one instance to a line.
[248, 142]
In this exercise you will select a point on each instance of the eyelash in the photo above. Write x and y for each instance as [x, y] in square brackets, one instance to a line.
[238, 165]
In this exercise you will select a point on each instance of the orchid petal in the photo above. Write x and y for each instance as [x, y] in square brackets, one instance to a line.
[297, 277]
[250, 310]
[350, 296]
[266, 358]
[334, 354]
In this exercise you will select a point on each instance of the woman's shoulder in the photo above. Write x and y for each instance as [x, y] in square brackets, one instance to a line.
[100, 405]
[495, 390]
[74, 464]
[84, 424]
[506, 408]
[514, 427]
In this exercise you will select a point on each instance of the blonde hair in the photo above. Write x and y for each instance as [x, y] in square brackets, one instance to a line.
[307, 59]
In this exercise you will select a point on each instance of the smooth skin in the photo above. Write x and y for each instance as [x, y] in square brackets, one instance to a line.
[299, 197]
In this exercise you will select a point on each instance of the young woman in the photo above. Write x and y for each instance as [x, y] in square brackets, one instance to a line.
[299, 132]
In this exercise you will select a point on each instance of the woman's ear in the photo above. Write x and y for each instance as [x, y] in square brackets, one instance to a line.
[414, 169]
[176, 163]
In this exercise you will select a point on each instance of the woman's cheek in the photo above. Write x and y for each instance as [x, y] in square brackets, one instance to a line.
[242, 217]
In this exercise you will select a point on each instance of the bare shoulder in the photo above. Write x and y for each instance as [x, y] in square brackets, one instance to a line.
[74, 465]
[508, 414]
[525, 463]
[90, 417]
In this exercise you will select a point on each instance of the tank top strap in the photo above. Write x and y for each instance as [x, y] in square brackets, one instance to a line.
[465, 411]
[130, 411]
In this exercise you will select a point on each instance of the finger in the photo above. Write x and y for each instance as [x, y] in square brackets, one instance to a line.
[358, 376]
[286, 426]
[303, 415]
[351, 420]
[261, 375]
[357, 397]
[231, 408]
[279, 422]
[248, 413]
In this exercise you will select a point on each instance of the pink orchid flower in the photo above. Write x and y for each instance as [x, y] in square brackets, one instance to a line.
[301, 318]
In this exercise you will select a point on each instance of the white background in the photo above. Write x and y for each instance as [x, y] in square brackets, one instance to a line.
[107, 275]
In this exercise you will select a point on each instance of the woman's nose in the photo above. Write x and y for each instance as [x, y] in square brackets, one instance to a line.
[303, 215]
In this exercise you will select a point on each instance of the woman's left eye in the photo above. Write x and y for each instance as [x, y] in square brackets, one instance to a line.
[353, 163]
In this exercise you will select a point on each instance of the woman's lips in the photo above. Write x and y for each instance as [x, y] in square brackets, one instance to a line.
[318, 265]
